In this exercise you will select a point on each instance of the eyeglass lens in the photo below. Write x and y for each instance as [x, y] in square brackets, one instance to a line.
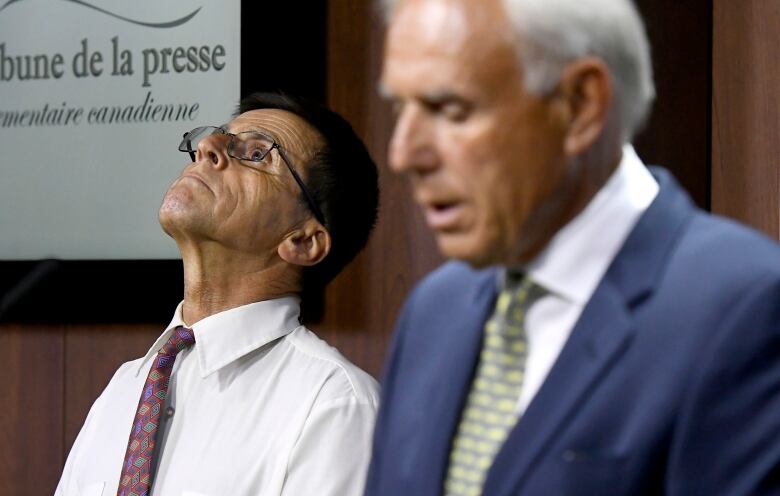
[244, 146]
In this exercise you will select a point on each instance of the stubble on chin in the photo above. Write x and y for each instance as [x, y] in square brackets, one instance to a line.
[177, 210]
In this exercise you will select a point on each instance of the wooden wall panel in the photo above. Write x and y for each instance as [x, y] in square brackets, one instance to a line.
[31, 444]
[92, 353]
[746, 113]
[363, 302]
[677, 134]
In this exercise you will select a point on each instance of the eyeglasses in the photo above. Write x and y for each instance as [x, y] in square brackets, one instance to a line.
[250, 146]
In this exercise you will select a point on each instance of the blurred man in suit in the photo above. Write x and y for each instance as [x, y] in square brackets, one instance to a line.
[596, 333]
[236, 396]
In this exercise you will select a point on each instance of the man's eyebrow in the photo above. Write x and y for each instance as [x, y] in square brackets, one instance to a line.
[264, 132]
[440, 97]
[434, 97]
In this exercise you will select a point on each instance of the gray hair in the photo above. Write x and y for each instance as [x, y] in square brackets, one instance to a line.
[552, 33]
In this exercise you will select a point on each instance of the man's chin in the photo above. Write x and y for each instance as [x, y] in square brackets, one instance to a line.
[466, 249]
[175, 222]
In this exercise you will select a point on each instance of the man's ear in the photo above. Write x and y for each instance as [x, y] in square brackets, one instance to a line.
[307, 245]
[587, 92]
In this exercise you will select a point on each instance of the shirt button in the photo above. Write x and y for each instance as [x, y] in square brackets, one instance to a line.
[169, 412]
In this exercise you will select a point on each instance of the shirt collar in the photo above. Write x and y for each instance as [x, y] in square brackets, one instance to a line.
[227, 336]
[579, 255]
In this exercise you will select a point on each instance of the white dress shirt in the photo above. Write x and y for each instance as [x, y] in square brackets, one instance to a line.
[574, 262]
[258, 406]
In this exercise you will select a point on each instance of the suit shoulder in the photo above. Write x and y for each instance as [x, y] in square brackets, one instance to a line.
[452, 279]
[715, 264]
[725, 248]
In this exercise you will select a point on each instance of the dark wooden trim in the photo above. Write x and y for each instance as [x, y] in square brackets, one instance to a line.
[677, 135]
[62, 292]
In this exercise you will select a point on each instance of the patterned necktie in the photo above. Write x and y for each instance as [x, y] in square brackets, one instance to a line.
[490, 410]
[136, 478]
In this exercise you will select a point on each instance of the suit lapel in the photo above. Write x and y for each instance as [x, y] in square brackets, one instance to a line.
[460, 342]
[597, 341]
[599, 338]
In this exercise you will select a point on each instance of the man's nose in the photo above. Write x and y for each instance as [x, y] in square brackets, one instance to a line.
[213, 148]
[412, 146]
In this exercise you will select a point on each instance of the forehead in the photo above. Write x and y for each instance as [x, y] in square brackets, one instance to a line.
[448, 43]
[293, 133]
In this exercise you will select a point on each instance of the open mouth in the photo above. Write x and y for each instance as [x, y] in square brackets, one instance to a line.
[443, 216]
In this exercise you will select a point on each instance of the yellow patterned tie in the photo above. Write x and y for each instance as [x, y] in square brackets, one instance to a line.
[490, 411]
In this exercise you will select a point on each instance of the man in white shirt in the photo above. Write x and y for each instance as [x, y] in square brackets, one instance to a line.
[596, 333]
[275, 204]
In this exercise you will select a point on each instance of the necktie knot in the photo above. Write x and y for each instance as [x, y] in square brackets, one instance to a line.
[181, 338]
[517, 296]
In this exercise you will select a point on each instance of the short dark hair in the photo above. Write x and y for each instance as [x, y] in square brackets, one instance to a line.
[342, 178]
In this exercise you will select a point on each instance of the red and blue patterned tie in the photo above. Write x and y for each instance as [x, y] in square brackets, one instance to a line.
[136, 479]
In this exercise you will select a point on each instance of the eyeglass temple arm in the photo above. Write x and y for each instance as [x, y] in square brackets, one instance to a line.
[315, 209]
[190, 151]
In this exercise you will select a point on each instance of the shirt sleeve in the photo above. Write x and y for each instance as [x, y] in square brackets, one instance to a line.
[331, 456]
[68, 485]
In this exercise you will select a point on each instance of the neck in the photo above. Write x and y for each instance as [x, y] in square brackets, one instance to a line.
[218, 279]
[587, 175]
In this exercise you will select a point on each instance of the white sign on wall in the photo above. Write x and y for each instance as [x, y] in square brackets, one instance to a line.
[94, 98]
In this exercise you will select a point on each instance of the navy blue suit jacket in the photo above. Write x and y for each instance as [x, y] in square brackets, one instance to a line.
[669, 382]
